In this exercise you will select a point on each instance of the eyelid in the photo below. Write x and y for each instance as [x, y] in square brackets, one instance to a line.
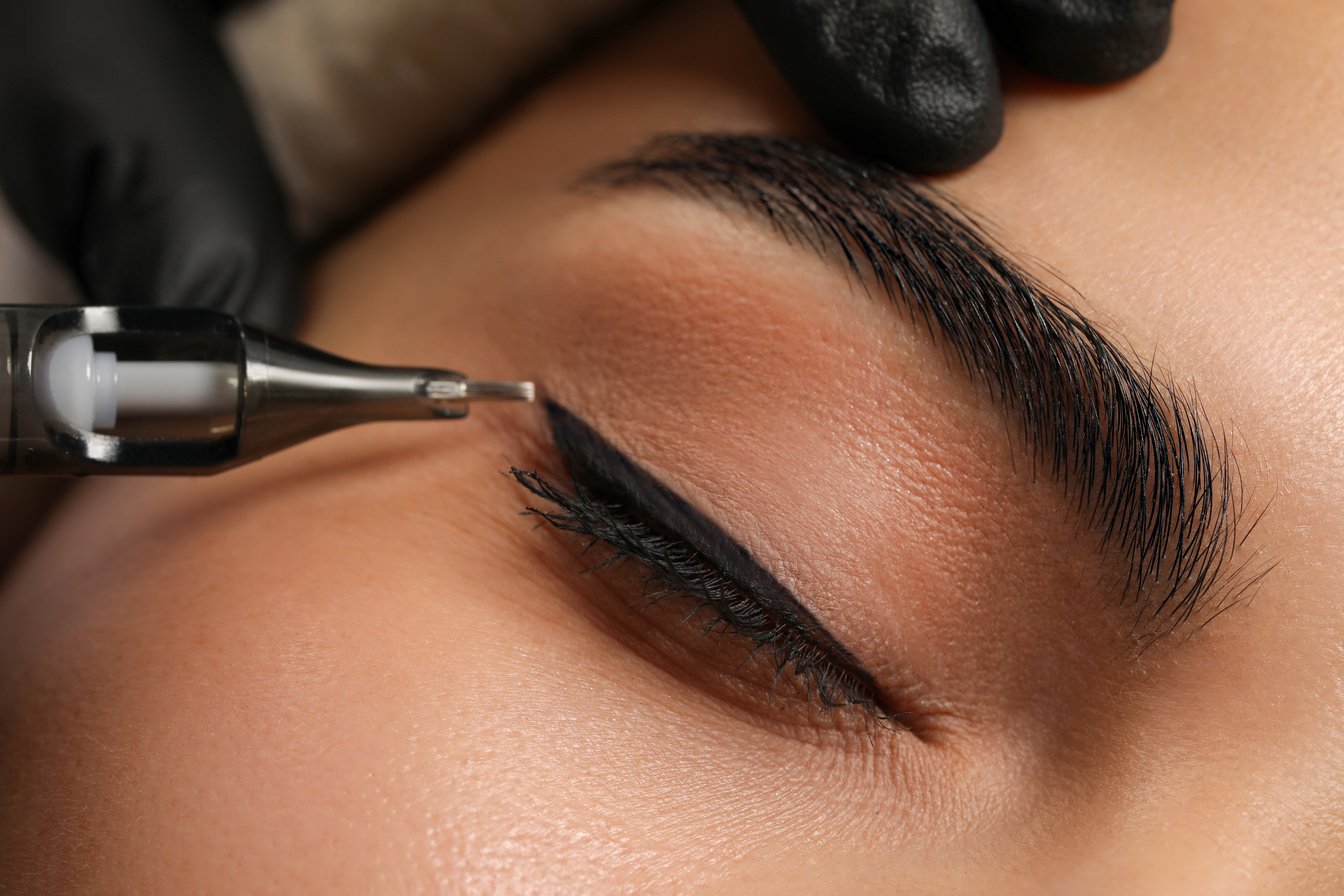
[623, 505]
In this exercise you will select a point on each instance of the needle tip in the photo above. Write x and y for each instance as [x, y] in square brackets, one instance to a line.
[486, 390]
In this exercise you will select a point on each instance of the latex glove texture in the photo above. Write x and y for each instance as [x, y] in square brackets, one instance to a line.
[127, 150]
[916, 81]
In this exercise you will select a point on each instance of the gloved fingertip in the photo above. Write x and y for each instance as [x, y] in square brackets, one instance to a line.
[229, 252]
[276, 303]
[932, 121]
[255, 275]
[913, 82]
[1089, 42]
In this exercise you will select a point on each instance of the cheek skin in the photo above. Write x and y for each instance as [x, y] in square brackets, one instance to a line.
[399, 696]
[336, 704]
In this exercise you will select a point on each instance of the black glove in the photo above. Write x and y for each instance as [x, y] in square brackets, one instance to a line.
[915, 81]
[128, 151]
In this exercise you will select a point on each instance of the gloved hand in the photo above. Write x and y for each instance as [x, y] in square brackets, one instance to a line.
[915, 81]
[127, 150]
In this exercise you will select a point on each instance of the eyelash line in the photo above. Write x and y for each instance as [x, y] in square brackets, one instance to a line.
[677, 568]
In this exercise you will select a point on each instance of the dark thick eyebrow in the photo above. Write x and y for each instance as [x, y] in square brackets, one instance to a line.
[1136, 453]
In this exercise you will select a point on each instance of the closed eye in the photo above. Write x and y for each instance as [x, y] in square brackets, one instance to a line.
[615, 502]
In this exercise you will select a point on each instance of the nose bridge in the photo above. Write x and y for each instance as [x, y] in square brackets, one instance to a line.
[1234, 852]
[1154, 869]
[1225, 775]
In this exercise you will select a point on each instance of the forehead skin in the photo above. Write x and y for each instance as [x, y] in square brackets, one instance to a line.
[351, 668]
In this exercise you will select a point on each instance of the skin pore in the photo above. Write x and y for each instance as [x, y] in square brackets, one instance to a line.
[357, 667]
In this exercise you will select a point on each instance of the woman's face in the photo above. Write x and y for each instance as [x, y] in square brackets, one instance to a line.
[359, 666]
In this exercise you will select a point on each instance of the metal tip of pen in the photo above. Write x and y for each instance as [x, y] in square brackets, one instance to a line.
[449, 393]
[489, 390]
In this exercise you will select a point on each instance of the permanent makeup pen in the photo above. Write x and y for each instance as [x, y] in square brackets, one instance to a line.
[188, 391]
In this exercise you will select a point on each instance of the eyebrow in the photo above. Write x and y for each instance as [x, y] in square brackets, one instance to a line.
[1137, 454]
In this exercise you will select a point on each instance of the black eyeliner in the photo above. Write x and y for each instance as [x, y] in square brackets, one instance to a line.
[617, 501]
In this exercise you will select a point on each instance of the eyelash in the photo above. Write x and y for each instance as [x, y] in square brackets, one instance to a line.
[676, 568]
